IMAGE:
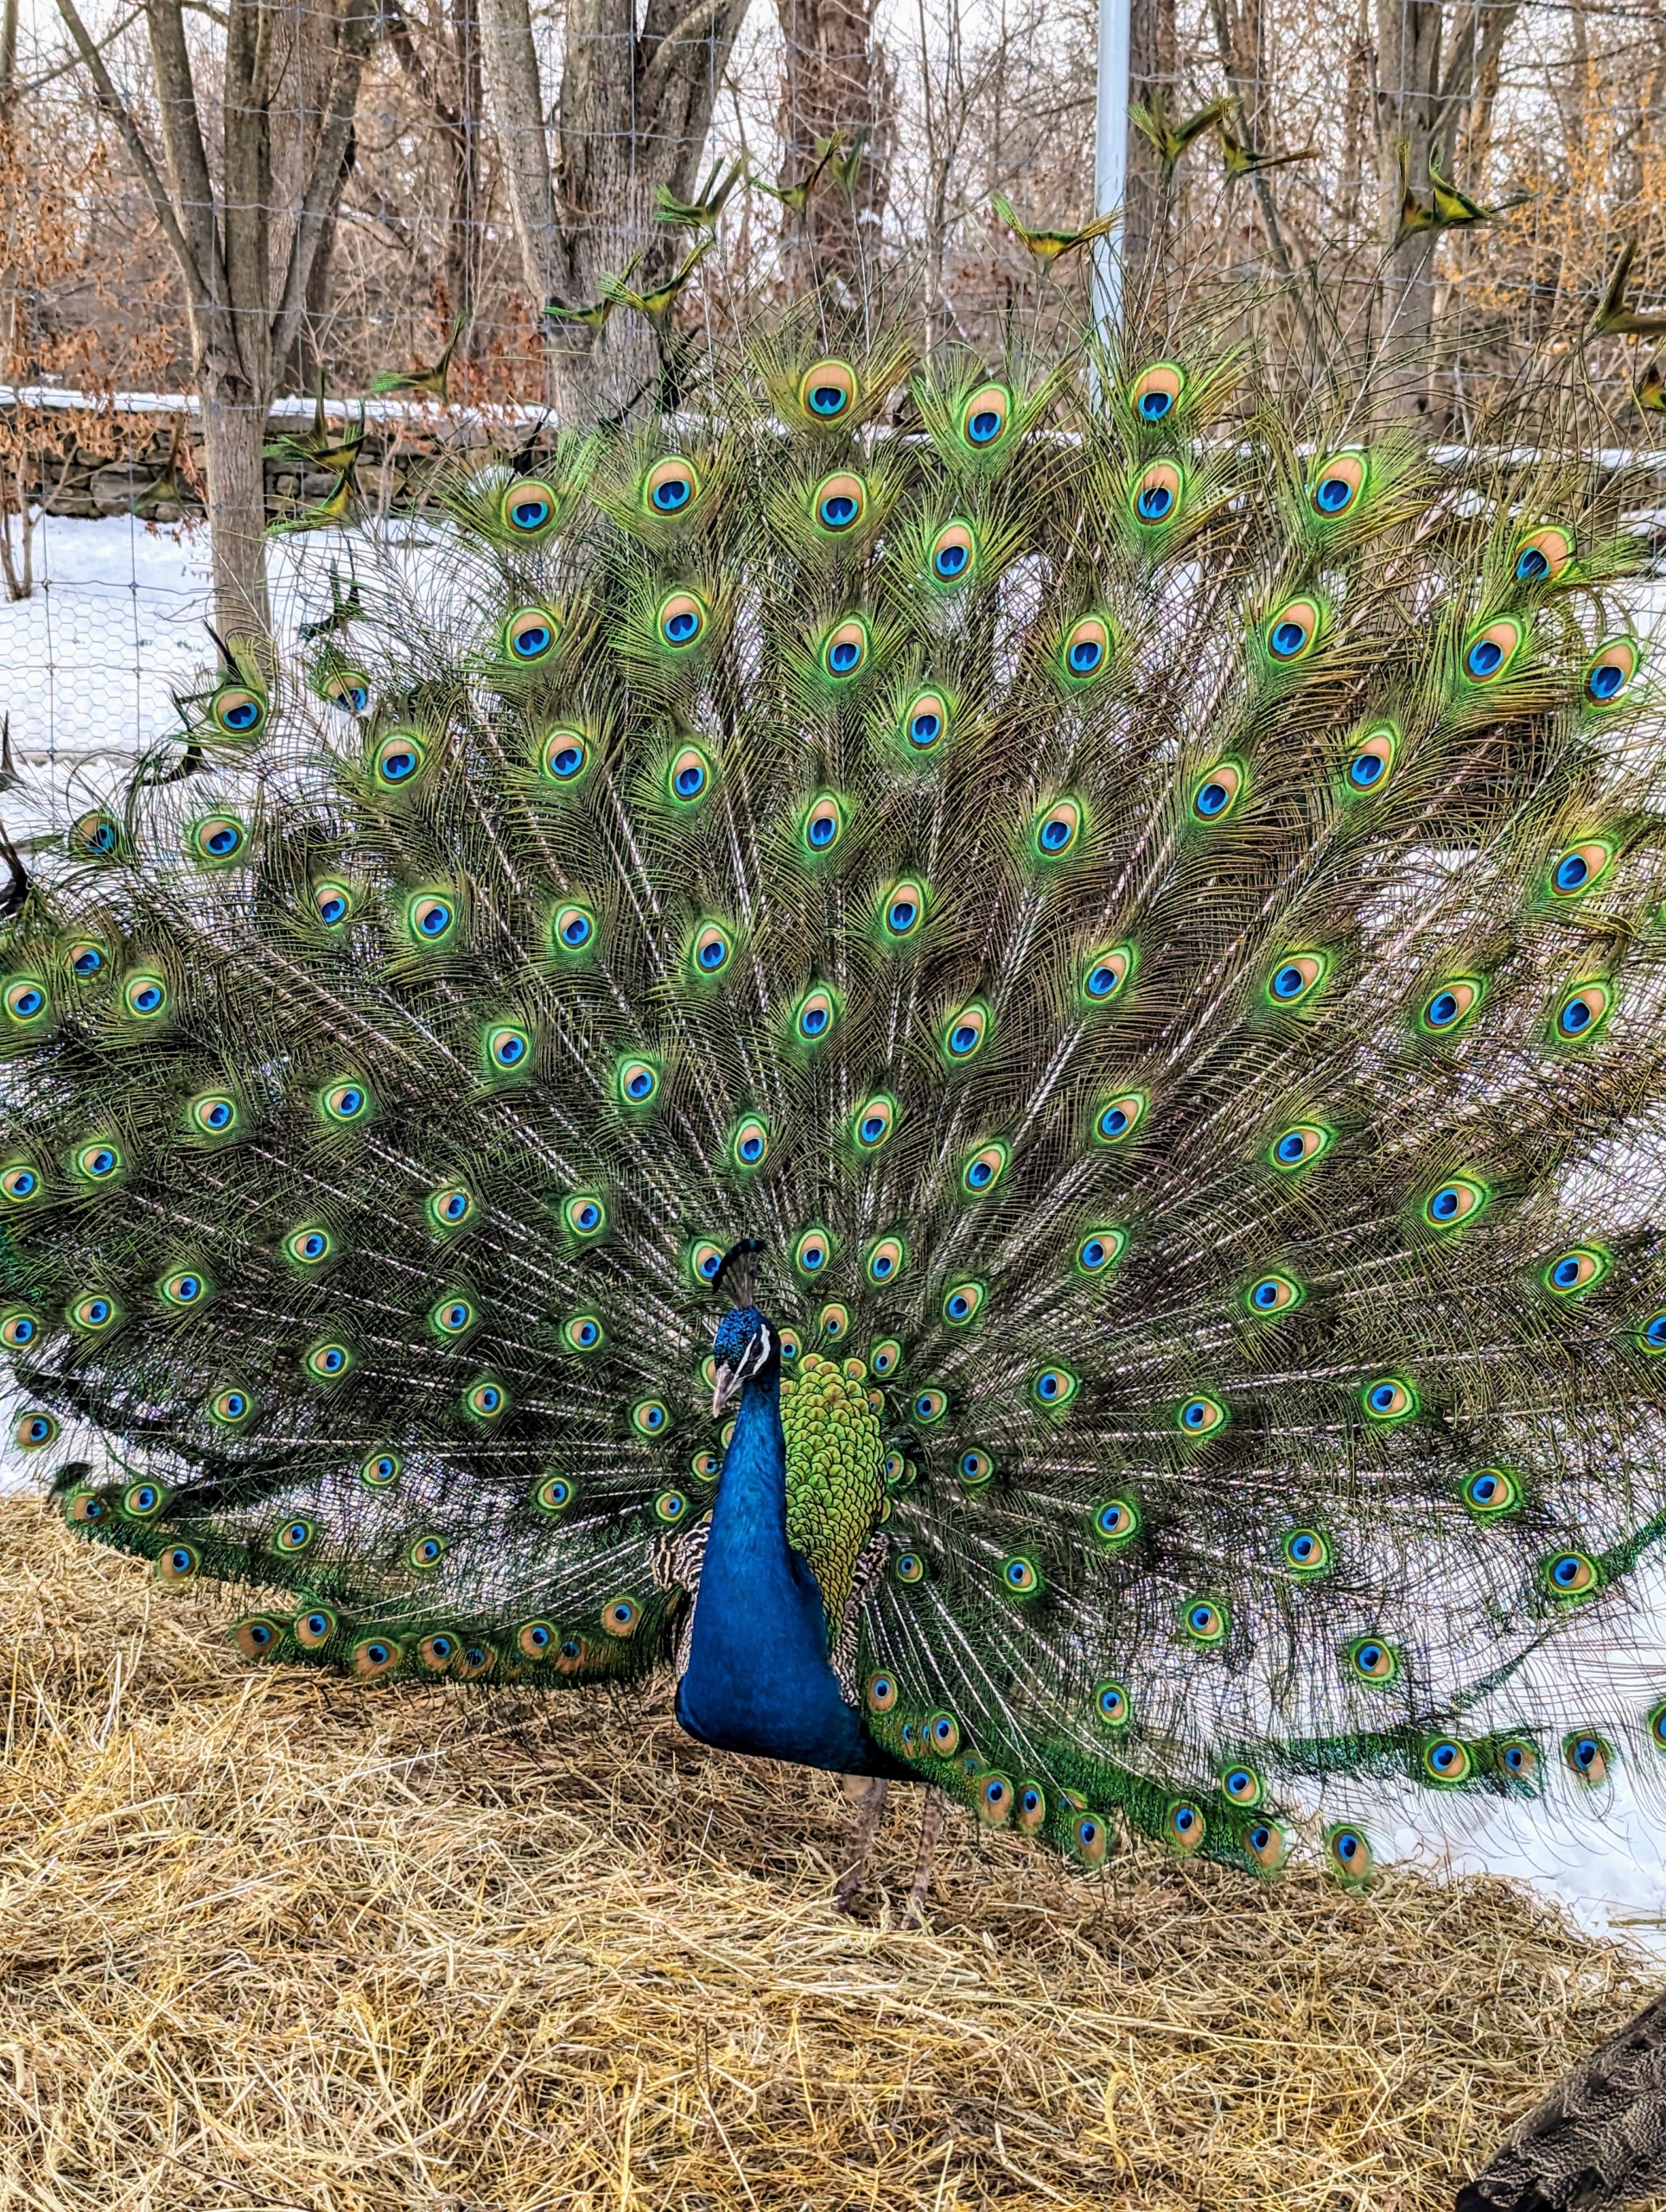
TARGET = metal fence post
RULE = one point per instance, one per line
(1110, 162)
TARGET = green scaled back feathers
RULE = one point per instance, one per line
(1149, 911)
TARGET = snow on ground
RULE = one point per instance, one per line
(87, 667)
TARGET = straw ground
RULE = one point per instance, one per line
(267, 1940)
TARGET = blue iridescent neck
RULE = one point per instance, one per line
(757, 1677)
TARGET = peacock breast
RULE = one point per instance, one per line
(835, 1470)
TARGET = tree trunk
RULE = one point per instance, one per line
(234, 431)
(1154, 69)
(462, 253)
(1408, 102)
(634, 110)
(828, 90)
(512, 68)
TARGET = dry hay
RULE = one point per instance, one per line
(270, 1940)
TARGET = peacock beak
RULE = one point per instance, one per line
(726, 1384)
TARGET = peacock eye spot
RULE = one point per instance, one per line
(680, 620)
(1532, 566)
(1288, 639)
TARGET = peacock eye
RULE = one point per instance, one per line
(1085, 652)
(1297, 977)
(1217, 790)
(528, 508)
(1349, 1853)
(689, 775)
(1576, 1271)
(1390, 1401)
(840, 502)
(529, 636)
(1371, 1659)
(829, 391)
(815, 1016)
(637, 1082)
(1105, 974)
(236, 710)
(573, 929)
(1157, 494)
(1338, 486)
(1488, 654)
(1118, 1118)
(1291, 632)
(681, 620)
(844, 651)
(95, 836)
(1306, 1552)
(873, 1123)
(750, 1143)
(431, 916)
(712, 949)
(485, 1400)
(331, 903)
(1055, 833)
(1611, 672)
(564, 756)
(508, 1047)
(985, 1168)
(1118, 1522)
(1581, 1012)
(345, 1101)
(986, 417)
(953, 553)
(823, 825)
(924, 720)
(886, 1261)
(350, 691)
(1455, 1202)
(1155, 393)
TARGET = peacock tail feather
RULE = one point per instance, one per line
(1149, 906)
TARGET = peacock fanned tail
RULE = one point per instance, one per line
(1147, 907)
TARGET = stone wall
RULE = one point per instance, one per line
(128, 470)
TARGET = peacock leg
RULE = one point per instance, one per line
(866, 1793)
(932, 1816)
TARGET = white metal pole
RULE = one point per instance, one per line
(1110, 160)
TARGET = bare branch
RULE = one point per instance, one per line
(111, 101)
(697, 28)
(354, 45)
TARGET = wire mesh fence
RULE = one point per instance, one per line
(472, 202)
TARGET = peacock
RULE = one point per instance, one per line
(968, 1052)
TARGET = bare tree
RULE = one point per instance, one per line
(245, 275)
(832, 93)
(635, 110)
(1153, 76)
(1429, 59)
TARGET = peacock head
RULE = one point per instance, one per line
(746, 1347)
